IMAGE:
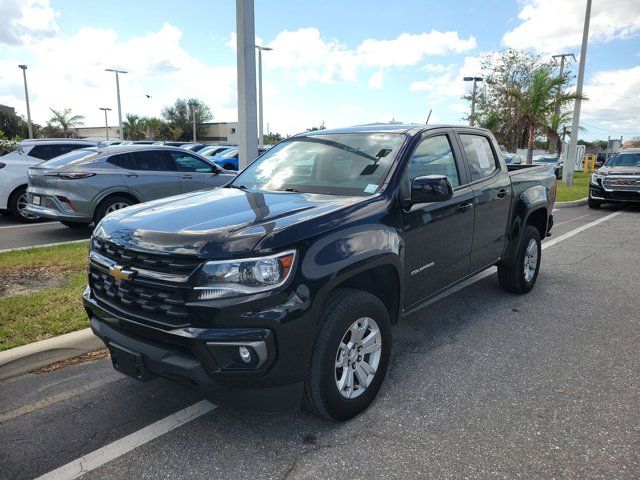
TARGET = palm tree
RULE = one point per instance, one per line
(65, 121)
(535, 105)
(133, 127)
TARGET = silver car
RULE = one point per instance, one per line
(83, 186)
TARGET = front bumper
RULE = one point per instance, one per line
(600, 194)
(203, 359)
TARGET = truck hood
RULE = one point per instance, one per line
(214, 224)
(619, 170)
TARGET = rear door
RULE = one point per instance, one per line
(492, 196)
(437, 235)
(152, 174)
(196, 174)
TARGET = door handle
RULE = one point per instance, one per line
(187, 177)
(463, 207)
(502, 193)
(132, 174)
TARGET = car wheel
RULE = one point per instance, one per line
(110, 205)
(18, 206)
(350, 356)
(591, 203)
(77, 225)
(229, 166)
(519, 275)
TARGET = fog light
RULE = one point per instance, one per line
(245, 354)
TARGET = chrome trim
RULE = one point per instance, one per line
(104, 263)
(621, 188)
(260, 347)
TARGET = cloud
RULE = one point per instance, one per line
(26, 21)
(551, 25)
(157, 64)
(614, 102)
(377, 79)
(449, 84)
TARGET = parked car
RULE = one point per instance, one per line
(83, 186)
(282, 286)
(180, 144)
(512, 158)
(194, 147)
(550, 160)
(147, 142)
(228, 159)
(618, 180)
(213, 150)
(15, 165)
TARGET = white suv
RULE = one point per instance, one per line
(15, 165)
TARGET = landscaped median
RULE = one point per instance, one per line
(41, 293)
(577, 191)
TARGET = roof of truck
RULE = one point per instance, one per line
(410, 128)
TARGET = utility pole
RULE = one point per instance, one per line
(428, 116)
(26, 96)
(562, 57)
(473, 97)
(118, 93)
(193, 115)
(575, 124)
(260, 102)
(106, 122)
(247, 105)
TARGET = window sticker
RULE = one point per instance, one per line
(482, 154)
(371, 188)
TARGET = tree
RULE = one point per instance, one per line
(273, 138)
(535, 104)
(14, 125)
(153, 128)
(179, 118)
(134, 128)
(314, 128)
(65, 121)
(7, 143)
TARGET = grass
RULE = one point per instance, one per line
(50, 303)
(579, 189)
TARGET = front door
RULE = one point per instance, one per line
(152, 174)
(437, 235)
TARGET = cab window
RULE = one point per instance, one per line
(482, 161)
(433, 156)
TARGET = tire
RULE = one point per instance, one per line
(515, 276)
(76, 225)
(591, 203)
(111, 204)
(17, 204)
(344, 313)
(229, 166)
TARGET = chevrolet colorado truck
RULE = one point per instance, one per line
(280, 288)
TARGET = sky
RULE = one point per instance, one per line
(333, 62)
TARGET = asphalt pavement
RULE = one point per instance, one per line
(14, 234)
(482, 384)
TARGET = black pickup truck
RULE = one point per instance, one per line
(618, 180)
(280, 288)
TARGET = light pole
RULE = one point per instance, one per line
(247, 115)
(192, 106)
(26, 96)
(260, 102)
(473, 97)
(118, 92)
(106, 122)
(569, 163)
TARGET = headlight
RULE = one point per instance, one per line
(245, 276)
(595, 177)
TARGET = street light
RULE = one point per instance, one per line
(26, 96)
(260, 104)
(192, 106)
(473, 96)
(106, 123)
(118, 92)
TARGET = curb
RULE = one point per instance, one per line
(575, 203)
(42, 245)
(30, 357)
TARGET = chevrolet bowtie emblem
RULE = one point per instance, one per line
(118, 273)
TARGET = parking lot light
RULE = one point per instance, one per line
(106, 122)
(26, 96)
(117, 72)
(260, 104)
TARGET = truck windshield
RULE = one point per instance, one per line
(332, 164)
(624, 160)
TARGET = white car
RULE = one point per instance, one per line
(15, 165)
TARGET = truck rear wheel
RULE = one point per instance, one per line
(519, 275)
(350, 357)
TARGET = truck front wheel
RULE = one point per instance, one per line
(350, 357)
(520, 274)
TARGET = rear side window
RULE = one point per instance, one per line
(124, 160)
(153, 161)
(434, 157)
(71, 158)
(189, 163)
(482, 162)
(47, 152)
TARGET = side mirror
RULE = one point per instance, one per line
(431, 188)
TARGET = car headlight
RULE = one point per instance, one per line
(595, 177)
(245, 276)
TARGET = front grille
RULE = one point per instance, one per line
(621, 184)
(181, 265)
(165, 306)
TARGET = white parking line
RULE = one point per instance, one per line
(28, 225)
(109, 452)
(43, 245)
(118, 448)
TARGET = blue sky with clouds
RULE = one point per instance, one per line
(334, 62)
